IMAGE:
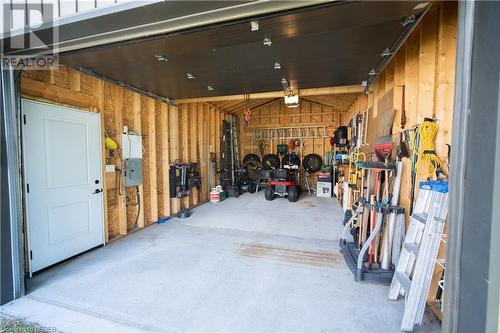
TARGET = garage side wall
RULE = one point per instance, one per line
(424, 68)
(185, 133)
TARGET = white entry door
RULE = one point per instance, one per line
(63, 177)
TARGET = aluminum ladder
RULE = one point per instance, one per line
(419, 252)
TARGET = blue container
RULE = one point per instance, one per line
(435, 186)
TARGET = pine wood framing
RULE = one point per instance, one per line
(174, 148)
(425, 66)
(274, 94)
(169, 135)
(149, 160)
(132, 118)
(193, 144)
(162, 158)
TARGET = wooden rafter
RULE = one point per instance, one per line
(355, 89)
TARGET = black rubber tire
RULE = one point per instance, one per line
(251, 188)
(251, 158)
(312, 163)
(292, 160)
(269, 193)
(299, 190)
(271, 161)
(293, 193)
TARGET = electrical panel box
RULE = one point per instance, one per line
(133, 172)
(131, 146)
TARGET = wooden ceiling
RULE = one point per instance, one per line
(340, 102)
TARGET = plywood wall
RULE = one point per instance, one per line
(425, 68)
(276, 115)
(184, 133)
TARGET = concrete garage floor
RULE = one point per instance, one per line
(243, 265)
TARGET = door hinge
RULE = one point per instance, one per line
(31, 255)
(24, 119)
(27, 188)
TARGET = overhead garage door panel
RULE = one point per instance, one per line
(324, 46)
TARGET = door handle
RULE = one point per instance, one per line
(97, 191)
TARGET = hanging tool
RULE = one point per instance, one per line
(247, 113)
(403, 111)
(403, 150)
(262, 147)
(427, 161)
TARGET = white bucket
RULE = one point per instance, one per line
(214, 195)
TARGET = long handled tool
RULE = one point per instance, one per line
(366, 210)
(383, 149)
(388, 240)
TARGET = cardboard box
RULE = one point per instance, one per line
(324, 189)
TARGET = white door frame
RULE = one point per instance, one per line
(24, 183)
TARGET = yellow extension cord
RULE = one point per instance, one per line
(427, 161)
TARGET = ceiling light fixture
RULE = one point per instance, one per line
(160, 57)
(190, 76)
(291, 101)
(364, 84)
(210, 88)
(372, 72)
(277, 65)
(267, 41)
(254, 25)
(421, 6)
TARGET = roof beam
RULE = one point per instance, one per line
(232, 104)
(354, 89)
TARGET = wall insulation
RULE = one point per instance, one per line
(184, 133)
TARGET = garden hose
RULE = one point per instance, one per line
(427, 161)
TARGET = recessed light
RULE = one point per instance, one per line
(284, 81)
(277, 65)
(254, 25)
(267, 41)
(420, 6)
(190, 76)
(210, 88)
(160, 57)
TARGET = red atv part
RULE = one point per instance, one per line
(275, 182)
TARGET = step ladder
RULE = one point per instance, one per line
(419, 252)
(235, 140)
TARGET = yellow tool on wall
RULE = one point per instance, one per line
(427, 160)
(356, 173)
(110, 143)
